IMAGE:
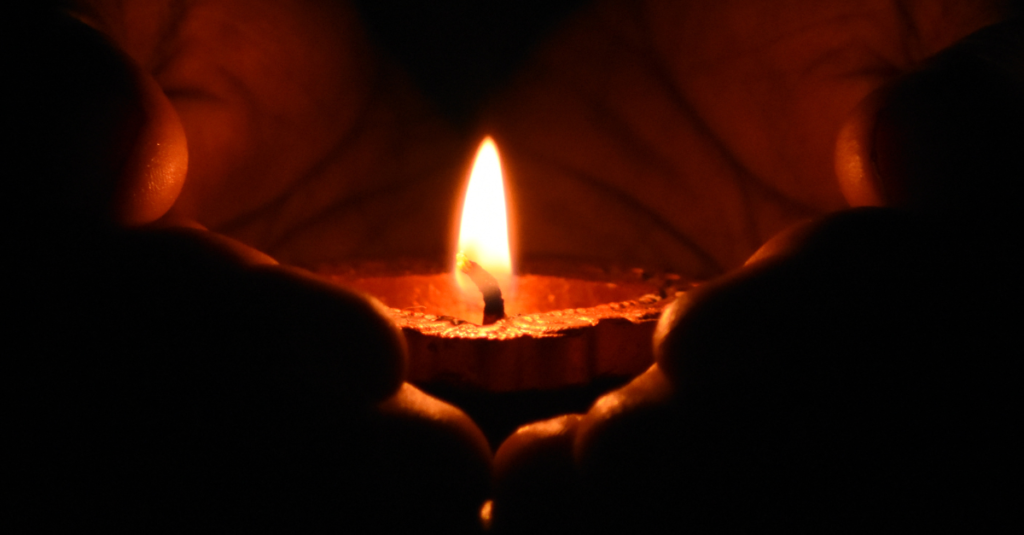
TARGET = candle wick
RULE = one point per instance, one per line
(494, 305)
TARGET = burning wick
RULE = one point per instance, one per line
(494, 305)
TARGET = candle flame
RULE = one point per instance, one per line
(483, 232)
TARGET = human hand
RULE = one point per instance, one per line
(849, 374)
(304, 142)
(749, 226)
(838, 379)
(165, 377)
(652, 133)
(684, 134)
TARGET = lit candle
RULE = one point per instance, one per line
(560, 331)
(484, 261)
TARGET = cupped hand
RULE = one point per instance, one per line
(685, 134)
(651, 133)
(304, 142)
(839, 380)
(161, 377)
(851, 374)
(666, 134)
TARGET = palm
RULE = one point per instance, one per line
(694, 131)
(656, 133)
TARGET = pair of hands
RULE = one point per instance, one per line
(650, 133)
(281, 161)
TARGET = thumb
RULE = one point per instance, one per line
(98, 143)
(947, 138)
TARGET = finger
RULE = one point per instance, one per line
(945, 138)
(688, 133)
(835, 361)
(303, 141)
(98, 142)
(536, 486)
(334, 339)
(177, 376)
(177, 307)
(295, 463)
(633, 460)
(856, 286)
(411, 463)
(213, 301)
(430, 462)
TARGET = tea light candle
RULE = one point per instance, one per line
(565, 325)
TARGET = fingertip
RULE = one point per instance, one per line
(615, 416)
(536, 443)
(435, 465)
(785, 243)
(410, 401)
(154, 173)
(535, 480)
(667, 331)
(628, 452)
(230, 306)
(722, 317)
(854, 154)
(98, 143)
(945, 139)
(339, 341)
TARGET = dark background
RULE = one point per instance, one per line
(459, 52)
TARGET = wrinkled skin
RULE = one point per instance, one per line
(666, 134)
(830, 383)
(662, 134)
(709, 127)
(303, 142)
(164, 378)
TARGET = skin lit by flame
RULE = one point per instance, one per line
(483, 232)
